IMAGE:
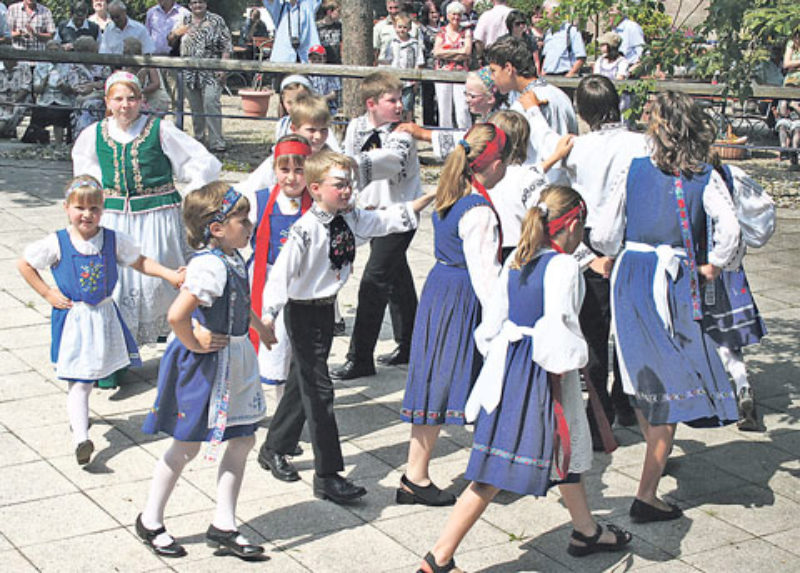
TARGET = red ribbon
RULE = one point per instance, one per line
(292, 148)
(482, 190)
(561, 439)
(261, 254)
(492, 151)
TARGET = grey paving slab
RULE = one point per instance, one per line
(15, 562)
(751, 555)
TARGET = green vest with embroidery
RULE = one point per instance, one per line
(137, 176)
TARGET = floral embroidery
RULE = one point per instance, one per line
(90, 276)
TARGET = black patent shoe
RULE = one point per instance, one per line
(351, 370)
(148, 535)
(337, 489)
(642, 512)
(226, 542)
(396, 357)
(276, 463)
(83, 453)
(428, 495)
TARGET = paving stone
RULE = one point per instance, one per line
(15, 452)
(755, 509)
(30, 481)
(788, 540)
(15, 562)
(27, 384)
(753, 555)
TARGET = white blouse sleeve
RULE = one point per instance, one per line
(286, 268)
(43, 253)
(128, 251)
(478, 229)
(192, 163)
(718, 204)
(84, 154)
(262, 178)
(386, 161)
(533, 181)
(397, 218)
(608, 231)
(558, 343)
(755, 209)
(495, 312)
(206, 277)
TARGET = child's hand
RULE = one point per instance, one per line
(602, 266)
(177, 277)
(409, 127)
(564, 146)
(57, 299)
(529, 100)
(266, 332)
(208, 341)
(709, 272)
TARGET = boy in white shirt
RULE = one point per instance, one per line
(405, 52)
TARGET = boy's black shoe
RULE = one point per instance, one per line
(351, 370)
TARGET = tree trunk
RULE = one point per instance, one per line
(356, 49)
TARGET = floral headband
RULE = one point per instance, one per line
(83, 182)
(229, 201)
(122, 77)
(485, 75)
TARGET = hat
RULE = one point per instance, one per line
(122, 77)
(611, 39)
(317, 49)
(295, 79)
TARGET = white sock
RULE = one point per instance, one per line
(734, 364)
(229, 481)
(165, 476)
(78, 410)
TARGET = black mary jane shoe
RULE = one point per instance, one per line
(278, 465)
(592, 544)
(148, 536)
(83, 453)
(428, 495)
(225, 542)
(642, 512)
(429, 565)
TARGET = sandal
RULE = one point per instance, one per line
(429, 565)
(592, 545)
(428, 495)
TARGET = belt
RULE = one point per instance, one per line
(315, 301)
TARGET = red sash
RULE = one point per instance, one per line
(482, 190)
(261, 255)
(561, 439)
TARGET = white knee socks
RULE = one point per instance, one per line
(229, 481)
(734, 364)
(78, 410)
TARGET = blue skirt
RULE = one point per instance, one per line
(678, 377)
(185, 380)
(444, 362)
(513, 446)
(733, 321)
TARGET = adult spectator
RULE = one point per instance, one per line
(632, 37)
(205, 35)
(491, 25)
(517, 24)
(121, 27)
(564, 52)
(31, 25)
(295, 29)
(161, 19)
(5, 31)
(16, 83)
(428, 28)
(100, 14)
(253, 27)
(453, 50)
(78, 25)
(383, 30)
(329, 28)
(54, 99)
(469, 19)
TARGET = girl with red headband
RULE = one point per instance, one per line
(444, 362)
(531, 430)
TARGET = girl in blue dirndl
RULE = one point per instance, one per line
(444, 362)
(669, 363)
(89, 338)
(531, 429)
(208, 384)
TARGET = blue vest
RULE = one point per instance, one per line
(448, 246)
(526, 291)
(217, 317)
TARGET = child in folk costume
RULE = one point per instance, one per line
(444, 361)
(312, 267)
(208, 384)
(730, 314)
(531, 430)
(90, 339)
(656, 216)
(274, 211)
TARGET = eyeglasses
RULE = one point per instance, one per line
(470, 95)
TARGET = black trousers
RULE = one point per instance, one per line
(308, 395)
(387, 279)
(595, 320)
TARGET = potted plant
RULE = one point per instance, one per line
(255, 100)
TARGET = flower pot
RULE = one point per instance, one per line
(255, 102)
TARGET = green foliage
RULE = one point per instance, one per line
(639, 92)
(651, 16)
(775, 21)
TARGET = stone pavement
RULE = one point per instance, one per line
(740, 491)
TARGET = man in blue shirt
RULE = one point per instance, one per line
(564, 52)
(295, 29)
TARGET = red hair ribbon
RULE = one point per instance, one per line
(492, 151)
(556, 225)
(292, 148)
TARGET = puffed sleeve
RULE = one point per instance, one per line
(397, 218)
(608, 230)
(84, 154)
(206, 277)
(192, 163)
(558, 343)
(755, 209)
(718, 204)
(478, 229)
(128, 251)
(43, 253)
(286, 268)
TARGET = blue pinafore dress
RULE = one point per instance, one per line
(513, 446)
(187, 380)
(90, 340)
(672, 372)
(730, 314)
(444, 361)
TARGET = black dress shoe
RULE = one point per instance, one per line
(396, 357)
(227, 542)
(642, 512)
(276, 463)
(351, 370)
(148, 535)
(337, 489)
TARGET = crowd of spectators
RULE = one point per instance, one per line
(427, 34)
